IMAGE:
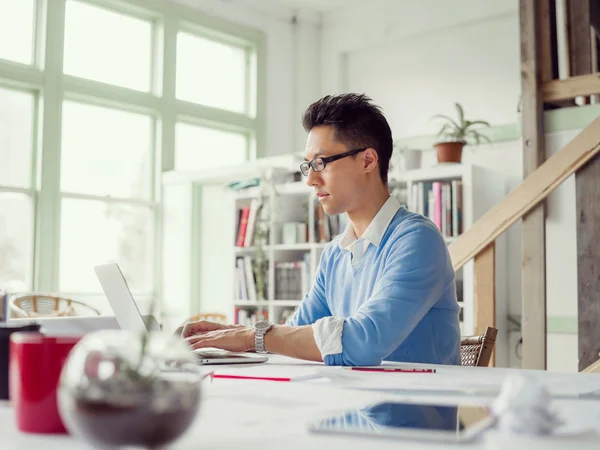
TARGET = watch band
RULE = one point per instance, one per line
(260, 329)
(259, 342)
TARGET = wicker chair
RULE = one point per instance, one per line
(211, 317)
(477, 350)
(48, 305)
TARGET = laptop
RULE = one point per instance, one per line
(129, 318)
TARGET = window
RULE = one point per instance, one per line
(105, 152)
(16, 240)
(212, 73)
(17, 30)
(17, 118)
(85, 180)
(16, 137)
(93, 232)
(106, 46)
(199, 147)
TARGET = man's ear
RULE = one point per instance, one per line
(371, 159)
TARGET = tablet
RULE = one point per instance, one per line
(397, 420)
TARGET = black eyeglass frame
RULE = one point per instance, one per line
(306, 165)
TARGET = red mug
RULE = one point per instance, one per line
(36, 362)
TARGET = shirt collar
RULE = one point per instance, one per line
(376, 229)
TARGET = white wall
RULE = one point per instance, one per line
(474, 64)
(293, 63)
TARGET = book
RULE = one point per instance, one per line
(252, 216)
(437, 204)
(243, 226)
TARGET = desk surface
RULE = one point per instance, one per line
(252, 414)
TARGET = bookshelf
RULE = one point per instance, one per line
(292, 250)
(480, 190)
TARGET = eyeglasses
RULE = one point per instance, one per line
(320, 163)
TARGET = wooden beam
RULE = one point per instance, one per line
(582, 85)
(595, 65)
(595, 15)
(578, 28)
(587, 186)
(535, 188)
(547, 39)
(485, 291)
(534, 69)
(565, 43)
(593, 368)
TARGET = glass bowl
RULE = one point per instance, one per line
(119, 388)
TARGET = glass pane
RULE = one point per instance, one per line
(105, 151)
(17, 19)
(105, 46)
(198, 147)
(211, 73)
(94, 232)
(16, 137)
(16, 241)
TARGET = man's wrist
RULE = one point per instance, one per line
(251, 339)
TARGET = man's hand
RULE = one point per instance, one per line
(233, 338)
(199, 327)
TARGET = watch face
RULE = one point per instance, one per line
(262, 325)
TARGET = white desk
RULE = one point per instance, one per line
(244, 414)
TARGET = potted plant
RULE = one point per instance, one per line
(455, 134)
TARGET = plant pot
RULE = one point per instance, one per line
(449, 152)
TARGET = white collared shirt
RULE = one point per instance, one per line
(373, 234)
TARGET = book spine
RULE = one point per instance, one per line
(455, 208)
(254, 206)
(437, 206)
(243, 226)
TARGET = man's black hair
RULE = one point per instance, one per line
(358, 123)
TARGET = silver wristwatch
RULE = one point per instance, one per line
(260, 329)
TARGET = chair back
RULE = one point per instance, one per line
(477, 350)
(211, 317)
(49, 305)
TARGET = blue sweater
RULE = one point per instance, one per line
(398, 303)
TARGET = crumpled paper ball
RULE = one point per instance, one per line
(523, 407)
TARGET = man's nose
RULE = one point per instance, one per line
(313, 178)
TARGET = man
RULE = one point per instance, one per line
(384, 289)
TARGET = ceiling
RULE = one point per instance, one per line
(316, 5)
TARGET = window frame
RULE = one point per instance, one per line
(30, 191)
(45, 78)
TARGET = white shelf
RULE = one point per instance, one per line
(306, 246)
(438, 172)
(265, 304)
(283, 247)
(249, 304)
(297, 188)
(286, 302)
(244, 250)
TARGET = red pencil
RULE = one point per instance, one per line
(244, 377)
(391, 369)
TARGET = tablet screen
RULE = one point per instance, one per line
(395, 419)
